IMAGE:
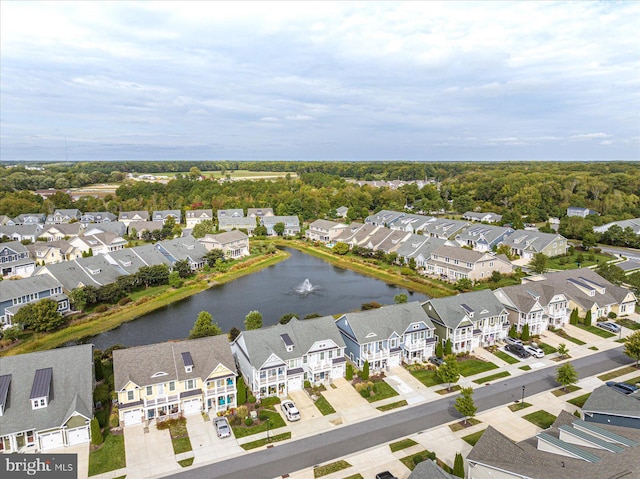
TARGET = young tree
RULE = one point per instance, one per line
(563, 351)
(573, 319)
(448, 347)
(97, 368)
(182, 267)
(513, 331)
(525, 336)
(566, 375)
(449, 372)
(96, 434)
(463, 284)
(204, 326)
(365, 371)
(464, 403)
(632, 346)
(539, 263)
(587, 318)
(439, 349)
(458, 466)
(349, 372)
(287, 317)
(400, 298)
(253, 320)
(213, 256)
(341, 248)
(242, 391)
(174, 280)
(279, 228)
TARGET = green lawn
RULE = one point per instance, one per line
(186, 462)
(518, 406)
(526, 367)
(619, 372)
(563, 334)
(454, 388)
(410, 461)
(381, 391)
(275, 421)
(554, 263)
(547, 348)
(324, 406)
(427, 377)
(460, 425)
(263, 442)
(580, 400)
(109, 457)
(393, 405)
(404, 444)
(471, 439)
(355, 476)
(542, 419)
(627, 323)
(596, 330)
(475, 366)
(561, 392)
(179, 436)
(505, 357)
(486, 379)
(330, 468)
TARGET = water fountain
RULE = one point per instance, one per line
(305, 287)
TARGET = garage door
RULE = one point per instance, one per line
(132, 417)
(51, 440)
(192, 407)
(294, 383)
(78, 435)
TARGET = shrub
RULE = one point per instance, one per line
(361, 387)
(242, 391)
(587, 319)
(235, 420)
(612, 315)
(349, 372)
(101, 308)
(365, 370)
(96, 434)
(101, 394)
(417, 459)
(251, 399)
(125, 300)
(525, 332)
(248, 421)
(307, 385)
(242, 412)
(365, 393)
(432, 456)
(114, 420)
(263, 415)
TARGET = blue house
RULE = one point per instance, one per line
(15, 294)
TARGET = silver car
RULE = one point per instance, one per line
(222, 427)
(534, 350)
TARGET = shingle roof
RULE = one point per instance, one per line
(608, 401)
(325, 224)
(10, 289)
(183, 248)
(534, 241)
(451, 310)
(429, 470)
(226, 237)
(91, 271)
(127, 215)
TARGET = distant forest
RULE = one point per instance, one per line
(529, 191)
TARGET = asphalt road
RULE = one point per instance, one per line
(293, 456)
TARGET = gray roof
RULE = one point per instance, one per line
(381, 323)
(150, 255)
(531, 240)
(115, 227)
(383, 217)
(91, 271)
(634, 224)
(452, 310)
(127, 259)
(41, 383)
(287, 220)
(237, 222)
(71, 388)
(487, 216)
(261, 343)
(430, 470)
(411, 221)
(10, 289)
(253, 212)
(207, 214)
(349, 232)
(325, 224)
(16, 246)
(127, 215)
(164, 214)
(444, 227)
(456, 252)
(488, 232)
(140, 363)
(525, 459)
(98, 216)
(183, 248)
(393, 241)
(226, 237)
(231, 213)
(39, 217)
(21, 230)
(606, 400)
(68, 229)
(409, 246)
(145, 225)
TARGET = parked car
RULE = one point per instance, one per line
(624, 388)
(510, 340)
(436, 360)
(534, 350)
(222, 427)
(290, 410)
(385, 475)
(611, 327)
(518, 350)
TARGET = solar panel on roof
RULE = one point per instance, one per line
(187, 359)
(5, 382)
(286, 340)
(589, 281)
(41, 383)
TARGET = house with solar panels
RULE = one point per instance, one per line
(278, 359)
(165, 380)
(46, 399)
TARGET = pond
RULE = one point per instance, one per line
(302, 284)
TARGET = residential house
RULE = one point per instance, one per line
(93, 271)
(443, 228)
(429, 470)
(586, 290)
(407, 249)
(422, 254)
(230, 213)
(181, 249)
(278, 359)
(526, 243)
(356, 234)
(570, 448)
(15, 260)
(487, 217)
(97, 217)
(132, 259)
(46, 399)
(21, 232)
(342, 211)
(28, 219)
(4, 219)
(127, 217)
(230, 223)
(452, 263)
(161, 381)
(234, 244)
(16, 293)
(324, 231)
(387, 336)
(469, 320)
(483, 238)
(64, 216)
(291, 224)
(579, 211)
(384, 218)
(163, 215)
(114, 227)
(51, 252)
(60, 231)
(195, 217)
(99, 243)
(634, 224)
(259, 212)
(139, 227)
(387, 241)
(411, 223)
(605, 405)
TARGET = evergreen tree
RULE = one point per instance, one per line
(96, 434)
(464, 403)
(449, 372)
(573, 319)
(448, 347)
(242, 391)
(632, 346)
(458, 466)
(439, 349)
(525, 333)
(513, 331)
(204, 326)
(349, 372)
(97, 366)
(234, 333)
(587, 318)
(365, 371)
(253, 320)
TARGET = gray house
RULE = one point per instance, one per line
(15, 260)
(91, 271)
(163, 215)
(28, 219)
(482, 238)
(608, 406)
(97, 217)
(15, 294)
(127, 217)
(21, 232)
(526, 243)
(291, 224)
(64, 216)
(179, 249)
(46, 399)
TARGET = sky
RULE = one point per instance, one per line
(308, 80)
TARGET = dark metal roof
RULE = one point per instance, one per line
(286, 339)
(41, 383)
(5, 381)
(187, 359)
(129, 405)
(295, 371)
(193, 392)
(466, 308)
(339, 360)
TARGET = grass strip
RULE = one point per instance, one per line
(596, 330)
(414, 459)
(507, 358)
(618, 372)
(475, 366)
(355, 476)
(330, 468)
(548, 349)
(471, 439)
(460, 425)
(561, 392)
(580, 400)
(447, 391)
(518, 406)
(324, 406)
(541, 418)
(400, 445)
(186, 462)
(393, 405)
(627, 323)
(109, 457)
(263, 442)
(493, 377)
(563, 334)
(526, 367)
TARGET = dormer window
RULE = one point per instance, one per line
(159, 374)
(41, 388)
(94, 271)
(188, 362)
(288, 343)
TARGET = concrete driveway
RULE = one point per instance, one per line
(347, 402)
(148, 453)
(207, 446)
(305, 405)
(80, 450)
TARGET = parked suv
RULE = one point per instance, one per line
(510, 340)
(517, 349)
(612, 327)
(624, 388)
(436, 360)
(290, 410)
(534, 350)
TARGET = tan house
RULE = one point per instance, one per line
(61, 231)
(453, 263)
(195, 217)
(165, 380)
(127, 217)
(53, 252)
(234, 244)
(324, 230)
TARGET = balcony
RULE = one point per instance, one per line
(415, 345)
(320, 365)
(161, 400)
(375, 355)
(221, 390)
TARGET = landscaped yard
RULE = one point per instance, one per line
(109, 457)
(324, 406)
(427, 377)
(179, 435)
(493, 377)
(405, 443)
(518, 406)
(580, 400)
(627, 323)
(505, 357)
(563, 334)
(571, 261)
(561, 392)
(414, 459)
(475, 366)
(547, 348)
(381, 390)
(596, 330)
(460, 425)
(542, 419)
(275, 421)
(473, 438)
(330, 468)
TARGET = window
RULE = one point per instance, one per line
(190, 384)
(149, 390)
(172, 386)
(129, 395)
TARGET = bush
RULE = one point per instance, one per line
(361, 387)
(307, 385)
(417, 459)
(242, 391)
(101, 308)
(349, 372)
(365, 393)
(96, 434)
(123, 301)
(101, 394)
(114, 420)
(612, 315)
(365, 371)
(263, 415)
(251, 399)
(248, 421)
(242, 412)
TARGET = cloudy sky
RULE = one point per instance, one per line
(319, 81)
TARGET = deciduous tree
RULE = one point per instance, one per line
(449, 372)
(632, 346)
(204, 326)
(566, 375)
(464, 403)
(253, 320)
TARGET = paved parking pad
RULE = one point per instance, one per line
(305, 405)
(409, 395)
(207, 446)
(148, 454)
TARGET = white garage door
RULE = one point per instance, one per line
(294, 383)
(192, 407)
(51, 440)
(78, 435)
(132, 417)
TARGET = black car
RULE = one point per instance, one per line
(518, 350)
(385, 475)
(623, 388)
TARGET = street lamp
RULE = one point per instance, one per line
(268, 429)
(522, 403)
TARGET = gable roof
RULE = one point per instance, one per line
(115, 227)
(253, 212)
(71, 388)
(429, 470)
(91, 271)
(129, 215)
(190, 214)
(182, 248)
(488, 232)
(231, 213)
(140, 363)
(224, 238)
(326, 225)
(10, 289)
(452, 310)
(608, 401)
(533, 241)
